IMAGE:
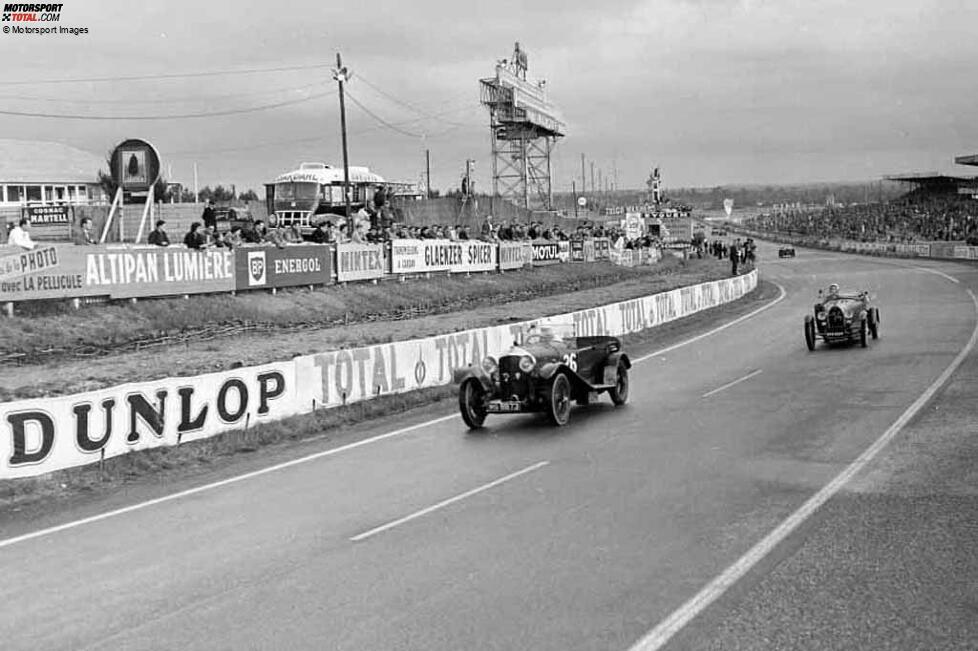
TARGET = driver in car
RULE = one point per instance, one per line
(833, 292)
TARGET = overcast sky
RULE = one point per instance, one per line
(713, 92)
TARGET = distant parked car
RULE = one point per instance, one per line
(842, 317)
(544, 372)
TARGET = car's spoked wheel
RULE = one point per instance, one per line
(874, 323)
(810, 334)
(472, 403)
(560, 400)
(862, 334)
(619, 394)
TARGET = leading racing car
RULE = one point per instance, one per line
(545, 370)
(842, 317)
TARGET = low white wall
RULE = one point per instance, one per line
(38, 436)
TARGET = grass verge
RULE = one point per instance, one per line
(195, 460)
(49, 331)
(554, 290)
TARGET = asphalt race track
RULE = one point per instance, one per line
(591, 536)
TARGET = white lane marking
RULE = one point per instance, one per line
(781, 294)
(217, 484)
(667, 628)
(939, 273)
(730, 384)
(318, 455)
(444, 503)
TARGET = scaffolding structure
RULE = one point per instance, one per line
(524, 127)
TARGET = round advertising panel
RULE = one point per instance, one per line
(135, 165)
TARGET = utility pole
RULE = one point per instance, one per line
(574, 197)
(583, 178)
(592, 177)
(342, 75)
(427, 167)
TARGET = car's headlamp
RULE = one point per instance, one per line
(489, 365)
(527, 363)
(821, 316)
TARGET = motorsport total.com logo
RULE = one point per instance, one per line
(31, 13)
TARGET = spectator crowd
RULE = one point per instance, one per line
(369, 227)
(917, 216)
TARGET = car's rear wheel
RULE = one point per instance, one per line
(472, 403)
(559, 404)
(810, 334)
(862, 333)
(619, 393)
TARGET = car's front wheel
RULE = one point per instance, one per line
(559, 407)
(619, 393)
(862, 334)
(874, 323)
(810, 333)
(472, 403)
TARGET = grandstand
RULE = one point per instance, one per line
(937, 207)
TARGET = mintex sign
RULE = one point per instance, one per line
(300, 264)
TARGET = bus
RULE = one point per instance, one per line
(314, 193)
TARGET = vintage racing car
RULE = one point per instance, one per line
(786, 252)
(842, 316)
(545, 370)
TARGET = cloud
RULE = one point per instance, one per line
(712, 91)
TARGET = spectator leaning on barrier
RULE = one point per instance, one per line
(359, 235)
(487, 230)
(158, 236)
(320, 234)
(278, 236)
(20, 235)
(255, 234)
(83, 234)
(233, 238)
(210, 236)
(194, 239)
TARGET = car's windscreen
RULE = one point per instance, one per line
(844, 303)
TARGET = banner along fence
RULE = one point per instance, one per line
(935, 250)
(66, 271)
(42, 435)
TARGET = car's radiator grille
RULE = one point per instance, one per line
(835, 319)
(512, 381)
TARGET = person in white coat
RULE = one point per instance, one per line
(20, 235)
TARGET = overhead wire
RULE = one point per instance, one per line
(175, 116)
(379, 119)
(178, 75)
(394, 99)
(311, 139)
(202, 98)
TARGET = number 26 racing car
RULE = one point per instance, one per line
(842, 317)
(786, 252)
(545, 370)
